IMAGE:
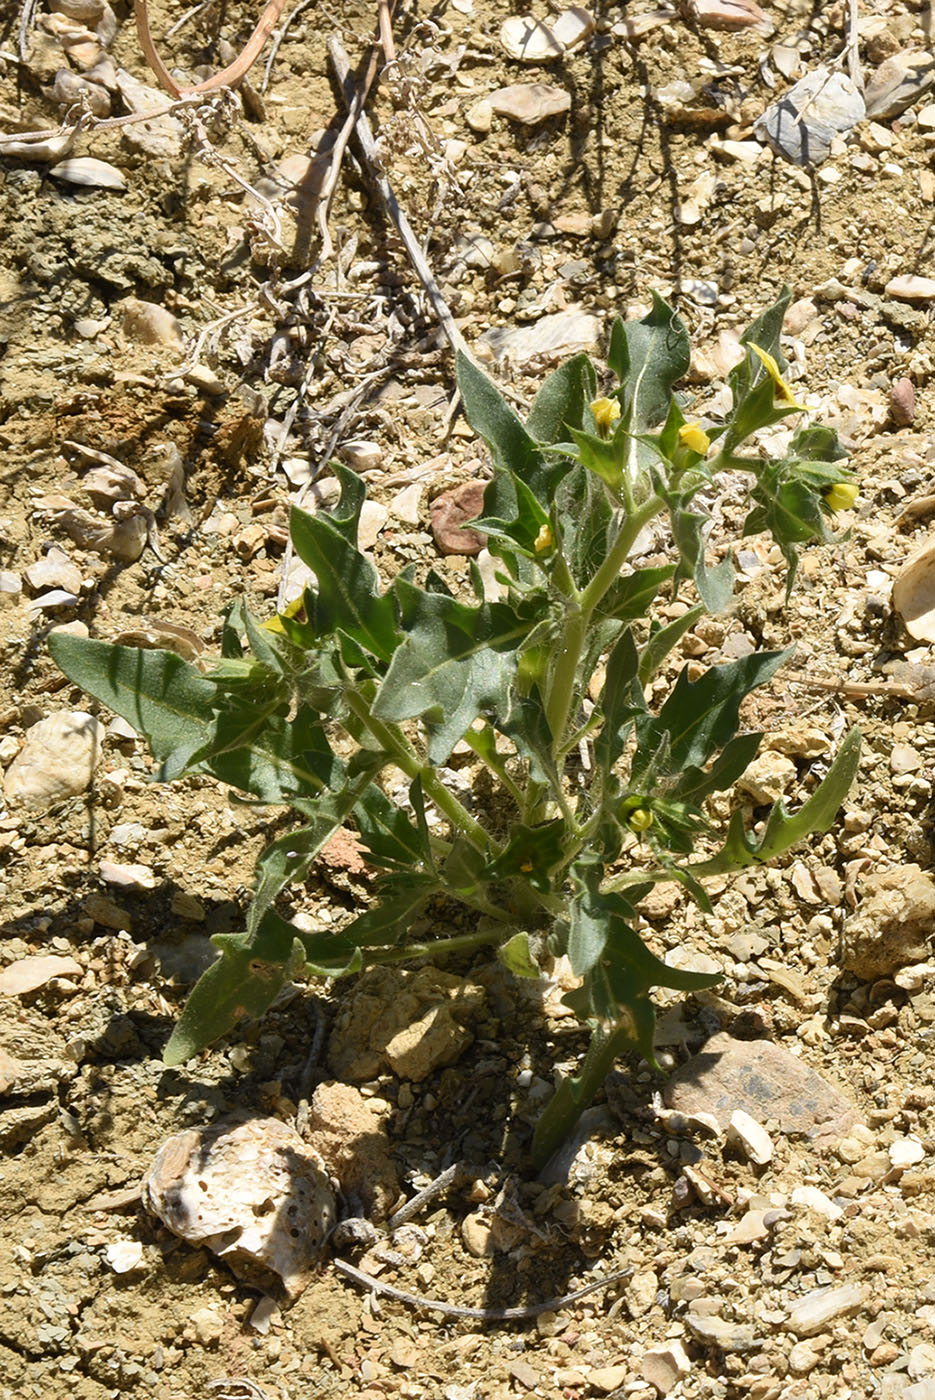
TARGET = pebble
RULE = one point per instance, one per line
(147, 323)
(56, 762)
(914, 593)
(821, 1306)
(767, 777)
(530, 40)
(29, 974)
(86, 170)
(54, 570)
(898, 82)
(802, 124)
(751, 1137)
(641, 1294)
(373, 516)
(479, 117)
(728, 14)
(665, 1366)
(891, 926)
(406, 504)
(911, 288)
(904, 759)
(606, 1379)
(361, 456)
(448, 513)
(903, 402)
(349, 1131)
(729, 1336)
(124, 1256)
(11, 585)
(764, 1080)
(530, 103)
(816, 1200)
(552, 337)
(206, 1327)
(128, 877)
(476, 1235)
(906, 1152)
(802, 1359)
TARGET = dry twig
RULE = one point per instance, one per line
(229, 76)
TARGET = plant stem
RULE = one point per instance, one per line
(573, 1095)
(395, 744)
(618, 554)
(458, 943)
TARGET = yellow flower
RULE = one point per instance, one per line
(606, 412)
(840, 496)
(781, 391)
(274, 624)
(545, 540)
(694, 437)
(640, 819)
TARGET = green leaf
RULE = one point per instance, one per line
(716, 586)
(388, 834)
(455, 662)
(663, 639)
(622, 702)
(632, 595)
(701, 716)
(514, 451)
(531, 853)
(517, 957)
(606, 457)
(648, 356)
(695, 784)
(347, 597)
(244, 981)
(561, 401)
(386, 923)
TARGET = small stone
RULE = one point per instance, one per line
(107, 912)
(448, 513)
(476, 1235)
(892, 924)
(128, 877)
(910, 288)
(727, 14)
(767, 777)
(751, 1137)
(54, 570)
(552, 337)
(906, 1152)
(124, 1256)
(479, 117)
(530, 103)
(373, 516)
(530, 40)
(361, 456)
(350, 1133)
(206, 1327)
(641, 1294)
(56, 762)
(729, 1336)
(904, 759)
(816, 1200)
(802, 124)
(903, 402)
(86, 170)
(605, 1379)
(11, 585)
(898, 82)
(29, 974)
(665, 1366)
(150, 324)
(802, 1359)
(821, 1306)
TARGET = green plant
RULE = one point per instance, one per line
(310, 709)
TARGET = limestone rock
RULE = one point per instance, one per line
(765, 1081)
(665, 1366)
(57, 760)
(892, 924)
(822, 1306)
(530, 103)
(530, 40)
(409, 1022)
(29, 974)
(802, 124)
(253, 1192)
(148, 323)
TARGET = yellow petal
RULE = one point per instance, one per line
(640, 819)
(544, 540)
(840, 496)
(781, 390)
(694, 437)
(606, 412)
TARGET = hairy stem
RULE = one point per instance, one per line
(573, 1095)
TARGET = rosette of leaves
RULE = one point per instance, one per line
(311, 709)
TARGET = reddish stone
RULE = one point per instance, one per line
(450, 510)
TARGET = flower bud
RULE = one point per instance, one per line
(840, 496)
(606, 412)
(694, 437)
(545, 540)
(640, 819)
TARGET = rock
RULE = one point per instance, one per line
(665, 1366)
(607, 1378)
(903, 402)
(107, 912)
(530, 40)
(898, 82)
(552, 337)
(765, 1081)
(124, 1256)
(727, 14)
(350, 1134)
(821, 1306)
(814, 1199)
(906, 1152)
(128, 877)
(29, 974)
(253, 1192)
(641, 1293)
(751, 1137)
(448, 513)
(767, 777)
(914, 593)
(162, 137)
(373, 516)
(148, 323)
(905, 759)
(476, 1235)
(802, 1359)
(11, 586)
(749, 1228)
(910, 288)
(56, 762)
(361, 456)
(206, 1327)
(409, 1022)
(729, 1336)
(479, 117)
(54, 570)
(802, 124)
(892, 924)
(530, 103)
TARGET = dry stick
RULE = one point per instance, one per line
(228, 76)
(25, 24)
(415, 1300)
(368, 148)
(385, 19)
(330, 184)
(278, 40)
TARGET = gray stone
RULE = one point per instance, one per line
(765, 1081)
(803, 123)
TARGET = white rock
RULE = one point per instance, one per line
(906, 1152)
(124, 1256)
(767, 777)
(373, 516)
(405, 505)
(57, 760)
(816, 1200)
(803, 122)
(29, 974)
(150, 324)
(550, 338)
(530, 40)
(665, 1366)
(55, 598)
(914, 592)
(86, 170)
(128, 877)
(161, 137)
(750, 1136)
(479, 116)
(821, 1306)
(909, 288)
(54, 570)
(914, 978)
(361, 456)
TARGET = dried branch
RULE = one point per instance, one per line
(228, 76)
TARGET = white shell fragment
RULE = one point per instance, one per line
(821, 1306)
(802, 124)
(914, 594)
(906, 1152)
(550, 338)
(124, 1256)
(530, 40)
(254, 1192)
(57, 760)
(86, 170)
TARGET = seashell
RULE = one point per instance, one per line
(87, 170)
(914, 593)
(533, 41)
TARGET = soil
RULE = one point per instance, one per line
(277, 371)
